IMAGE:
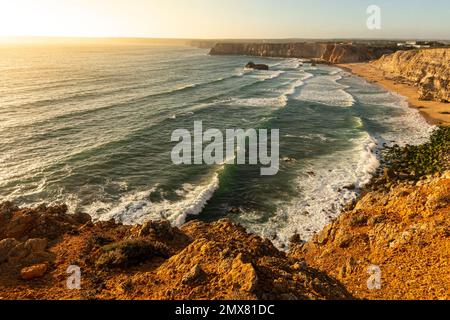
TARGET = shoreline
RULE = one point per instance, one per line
(434, 112)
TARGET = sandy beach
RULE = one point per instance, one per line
(437, 113)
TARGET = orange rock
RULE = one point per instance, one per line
(34, 272)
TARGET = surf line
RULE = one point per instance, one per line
(190, 148)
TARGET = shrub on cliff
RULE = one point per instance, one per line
(414, 162)
(130, 252)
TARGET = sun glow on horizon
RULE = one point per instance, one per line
(67, 18)
(219, 19)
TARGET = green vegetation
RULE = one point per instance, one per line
(130, 252)
(414, 162)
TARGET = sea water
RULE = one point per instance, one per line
(90, 126)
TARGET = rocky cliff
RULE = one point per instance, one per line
(327, 52)
(428, 69)
(398, 231)
(152, 261)
(403, 232)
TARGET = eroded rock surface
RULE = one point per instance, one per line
(154, 261)
(405, 231)
(326, 52)
(428, 69)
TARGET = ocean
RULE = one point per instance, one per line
(90, 126)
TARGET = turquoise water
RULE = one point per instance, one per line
(90, 126)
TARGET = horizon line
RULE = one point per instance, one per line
(213, 39)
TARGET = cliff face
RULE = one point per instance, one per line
(327, 52)
(403, 232)
(428, 69)
(399, 230)
(153, 261)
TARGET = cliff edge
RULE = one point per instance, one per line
(39, 247)
(427, 69)
(326, 52)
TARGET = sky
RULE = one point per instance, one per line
(213, 19)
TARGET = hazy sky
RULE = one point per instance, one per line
(224, 18)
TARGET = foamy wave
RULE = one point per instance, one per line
(411, 126)
(321, 137)
(137, 208)
(324, 192)
(293, 88)
(407, 127)
(292, 64)
(329, 183)
(260, 102)
(338, 98)
(326, 90)
(267, 75)
(188, 86)
(280, 101)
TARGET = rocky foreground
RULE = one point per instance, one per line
(153, 261)
(401, 225)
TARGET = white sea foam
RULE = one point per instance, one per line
(312, 136)
(322, 185)
(289, 64)
(266, 75)
(326, 90)
(259, 102)
(279, 101)
(137, 208)
(409, 127)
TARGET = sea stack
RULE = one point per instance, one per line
(252, 65)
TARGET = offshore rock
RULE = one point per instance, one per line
(252, 65)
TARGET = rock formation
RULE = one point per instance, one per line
(428, 69)
(403, 231)
(326, 52)
(252, 65)
(154, 261)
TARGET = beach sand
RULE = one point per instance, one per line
(437, 113)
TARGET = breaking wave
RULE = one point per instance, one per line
(137, 208)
